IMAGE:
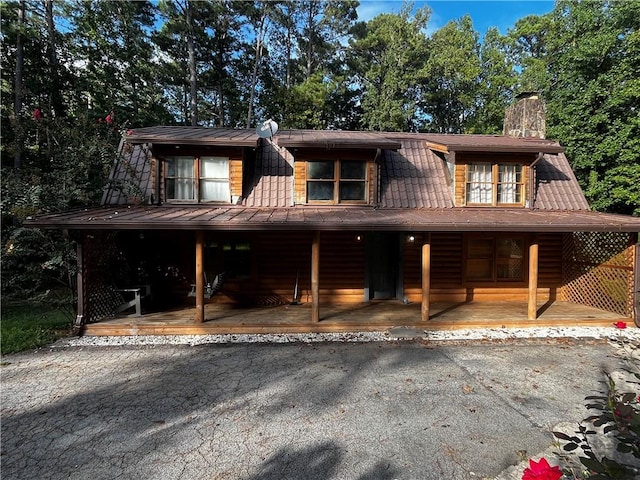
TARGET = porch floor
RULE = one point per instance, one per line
(371, 316)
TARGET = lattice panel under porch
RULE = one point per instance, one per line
(100, 250)
(597, 270)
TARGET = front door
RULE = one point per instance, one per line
(382, 263)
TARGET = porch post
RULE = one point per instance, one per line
(315, 278)
(199, 276)
(636, 279)
(426, 277)
(532, 310)
(81, 315)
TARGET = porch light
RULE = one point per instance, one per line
(411, 238)
(358, 238)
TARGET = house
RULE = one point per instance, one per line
(421, 227)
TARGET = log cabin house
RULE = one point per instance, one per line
(345, 231)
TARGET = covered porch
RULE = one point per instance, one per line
(225, 318)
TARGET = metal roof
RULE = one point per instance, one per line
(332, 139)
(184, 135)
(269, 184)
(490, 143)
(130, 177)
(414, 177)
(556, 185)
(336, 218)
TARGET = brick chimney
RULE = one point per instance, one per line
(526, 117)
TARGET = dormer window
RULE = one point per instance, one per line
(336, 181)
(494, 184)
(197, 179)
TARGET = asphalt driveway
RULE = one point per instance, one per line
(389, 410)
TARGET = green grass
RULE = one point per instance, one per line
(27, 327)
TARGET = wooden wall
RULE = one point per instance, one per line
(447, 276)
(277, 258)
(280, 257)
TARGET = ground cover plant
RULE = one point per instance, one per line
(29, 326)
(606, 444)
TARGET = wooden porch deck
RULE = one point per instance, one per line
(371, 316)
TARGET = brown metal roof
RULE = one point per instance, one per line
(184, 135)
(336, 218)
(556, 185)
(331, 139)
(270, 182)
(130, 177)
(490, 143)
(414, 177)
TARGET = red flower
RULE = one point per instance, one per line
(129, 132)
(541, 471)
(37, 114)
(109, 118)
(620, 325)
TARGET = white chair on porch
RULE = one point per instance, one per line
(210, 288)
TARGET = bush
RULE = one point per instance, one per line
(617, 420)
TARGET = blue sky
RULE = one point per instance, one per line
(502, 14)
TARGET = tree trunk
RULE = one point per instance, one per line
(310, 42)
(17, 102)
(256, 63)
(55, 99)
(220, 121)
(193, 73)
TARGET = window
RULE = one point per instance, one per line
(211, 173)
(232, 256)
(495, 259)
(339, 181)
(179, 179)
(494, 184)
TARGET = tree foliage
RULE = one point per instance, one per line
(585, 58)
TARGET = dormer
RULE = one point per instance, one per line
(197, 165)
(491, 170)
(335, 167)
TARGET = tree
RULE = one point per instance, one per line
(529, 49)
(498, 82)
(114, 59)
(594, 98)
(453, 72)
(386, 58)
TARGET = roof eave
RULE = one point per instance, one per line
(182, 141)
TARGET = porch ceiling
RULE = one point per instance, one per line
(171, 217)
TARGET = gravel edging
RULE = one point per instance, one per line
(396, 334)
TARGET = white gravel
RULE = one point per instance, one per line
(399, 333)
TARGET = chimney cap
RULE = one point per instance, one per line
(532, 95)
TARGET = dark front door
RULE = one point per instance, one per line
(382, 260)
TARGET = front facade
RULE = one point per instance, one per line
(333, 218)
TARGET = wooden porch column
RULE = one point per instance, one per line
(199, 276)
(532, 310)
(315, 278)
(636, 279)
(426, 277)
